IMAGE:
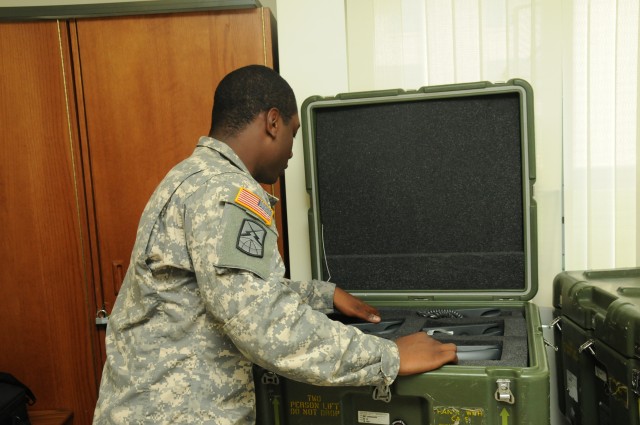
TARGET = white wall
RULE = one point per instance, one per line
(313, 59)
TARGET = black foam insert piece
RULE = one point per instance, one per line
(513, 342)
(424, 194)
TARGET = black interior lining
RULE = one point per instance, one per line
(437, 181)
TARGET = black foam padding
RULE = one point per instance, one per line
(422, 194)
(513, 342)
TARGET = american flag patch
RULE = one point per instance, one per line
(254, 204)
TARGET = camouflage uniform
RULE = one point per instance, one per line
(204, 298)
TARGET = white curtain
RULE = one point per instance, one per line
(601, 132)
(409, 43)
(581, 57)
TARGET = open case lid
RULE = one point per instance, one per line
(424, 194)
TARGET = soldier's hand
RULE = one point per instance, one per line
(352, 306)
(421, 353)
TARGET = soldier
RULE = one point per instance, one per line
(205, 297)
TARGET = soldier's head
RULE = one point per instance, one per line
(245, 93)
(255, 112)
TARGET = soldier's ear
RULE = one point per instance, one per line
(272, 118)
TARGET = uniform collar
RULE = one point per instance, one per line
(226, 151)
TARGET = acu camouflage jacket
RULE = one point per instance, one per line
(204, 298)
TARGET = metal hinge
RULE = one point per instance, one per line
(635, 381)
(503, 393)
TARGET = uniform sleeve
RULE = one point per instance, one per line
(275, 329)
(270, 320)
(318, 294)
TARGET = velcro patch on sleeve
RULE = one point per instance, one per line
(255, 204)
(247, 243)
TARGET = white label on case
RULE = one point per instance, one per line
(572, 386)
(601, 374)
(379, 418)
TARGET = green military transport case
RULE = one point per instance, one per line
(421, 203)
(597, 332)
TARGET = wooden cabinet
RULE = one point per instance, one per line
(146, 85)
(47, 336)
(93, 113)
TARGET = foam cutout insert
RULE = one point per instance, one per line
(505, 332)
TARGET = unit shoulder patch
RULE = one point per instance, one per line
(251, 238)
(255, 204)
(247, 243)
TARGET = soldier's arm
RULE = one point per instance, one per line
(234, 255)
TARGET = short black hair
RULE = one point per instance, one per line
(246, 92)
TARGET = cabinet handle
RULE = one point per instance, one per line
(118, 275)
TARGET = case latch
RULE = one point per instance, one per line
(503, 393)
(587, 346)
(382, 392)
(555, 322)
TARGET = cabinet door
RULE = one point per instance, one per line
(46, 335)
(147, 90)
